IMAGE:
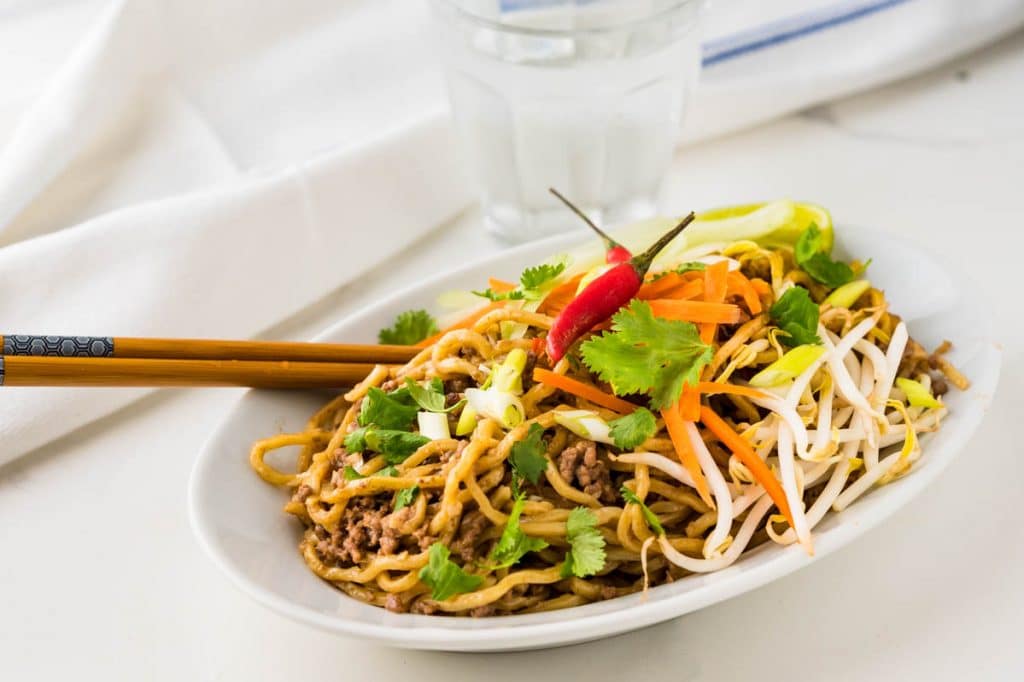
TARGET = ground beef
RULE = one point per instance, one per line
(472, 526)
(339, 461)
(531, 363)
(423, 537)
(302, 492)
(482, 611)
(359, 532)
(448, 455)
(456, 385)
(424, 607)
(394, 604)
(579, 465)
(339, 458)
(939, 386)
(388, 541)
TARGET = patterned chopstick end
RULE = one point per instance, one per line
(59, 346)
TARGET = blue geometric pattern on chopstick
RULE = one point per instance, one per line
(59, 346)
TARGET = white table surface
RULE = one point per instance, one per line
(100, 573)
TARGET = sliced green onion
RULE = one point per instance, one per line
(513, 330)
(467, 421)
(433, 425)
(917, 394)
(846, 295)
(501, 406)
(585, 424)
(508, 377)
(788, 367)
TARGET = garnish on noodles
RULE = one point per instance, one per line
(732, 395)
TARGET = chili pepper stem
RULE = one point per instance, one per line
(609, 243)
(642, 262)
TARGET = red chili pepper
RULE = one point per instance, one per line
(604, 296)
(614, 251)
(617, 254)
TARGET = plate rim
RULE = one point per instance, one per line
(516, 635)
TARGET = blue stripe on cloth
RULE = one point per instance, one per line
(791, 28)
(765, 36)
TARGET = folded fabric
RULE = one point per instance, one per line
(205, 169)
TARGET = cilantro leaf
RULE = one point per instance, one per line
(532, 282)
(586, 544)
(406, 496)
(394, 445)
(813, 260)
(630, 431)
(350, 474)
(797, 315)
(409, 328)
(645, 354)
(394, 410)
(651, 518)
(444, 577)
(356, 441)
(527, 458)
(539, 275)
(514, 544)
(492, 295)
(691, 266)
(430, 398)
(827, 271)
(808, 243)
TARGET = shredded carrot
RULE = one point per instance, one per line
(739, 284)
(695, 311)
(500, 285)
(715, 286)
(560, 296)
(713, 387)
(761, 287)
(681, 442)
(692, 289)
(743, 450)
(464, 323)
(672, 288)
(689, 404)
(585, 391)
(660, 287)
(716, 281)
(687, 275)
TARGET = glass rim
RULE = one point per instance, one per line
(555, 33)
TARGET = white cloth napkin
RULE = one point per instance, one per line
(207, 169)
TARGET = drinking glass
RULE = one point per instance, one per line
(585, 96)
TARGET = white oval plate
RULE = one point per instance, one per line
(238, 518)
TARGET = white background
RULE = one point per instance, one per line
(101, 578)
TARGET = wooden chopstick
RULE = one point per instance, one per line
(17, 370)
(129, 361)
(202, 349)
